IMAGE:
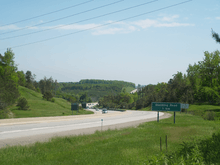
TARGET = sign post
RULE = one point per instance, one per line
(157, 116)
(174, 117)
(101, 124)
(160, 106)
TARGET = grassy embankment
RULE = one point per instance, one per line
(125, 146)
(43, 108)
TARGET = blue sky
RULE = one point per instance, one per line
(144, 50)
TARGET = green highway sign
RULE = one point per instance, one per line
(165, 106)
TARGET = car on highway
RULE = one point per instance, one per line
(104, 111)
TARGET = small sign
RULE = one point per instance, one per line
(184, 106)
(165, 106)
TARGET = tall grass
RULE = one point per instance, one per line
(125, 146)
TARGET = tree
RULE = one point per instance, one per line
(8, 59)
(47, 95)
(48, 84)
(215, 36)
(22, 103)
(83, 97)
(21, 78)
(8, 79)
(29, 80)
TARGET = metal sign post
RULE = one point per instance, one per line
(101, 124)
(174, 117)
(157, 116)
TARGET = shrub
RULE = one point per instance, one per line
(209, 115)
(53, 100)
(48, 95)
(22, 103)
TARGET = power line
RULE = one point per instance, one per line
(27, 19)
(102, 25)
(80, 20)
(63, 17)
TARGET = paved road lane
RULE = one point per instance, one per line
(30, 130)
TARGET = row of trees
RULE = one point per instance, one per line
(8, 80)
(96, 81)
(11, 78)
(95, 89)
(201, 84)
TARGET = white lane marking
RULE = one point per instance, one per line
(58, 120)
(32, 129)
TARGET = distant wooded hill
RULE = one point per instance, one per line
(94, 88)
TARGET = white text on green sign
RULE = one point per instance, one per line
(165, 106)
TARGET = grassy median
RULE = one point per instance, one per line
(125, 146)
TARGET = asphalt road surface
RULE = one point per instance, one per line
(25, 131)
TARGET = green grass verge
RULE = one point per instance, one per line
(201, 109)
(43, 108)
(125, 146)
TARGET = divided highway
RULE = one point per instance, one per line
(29, 130)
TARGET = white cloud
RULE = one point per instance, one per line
(77, 27)
(170, 18)
(9, 27)
(115, 28)
(108, 31)
(155, 23)
(217, 17)
(145, 23)
(174, 24)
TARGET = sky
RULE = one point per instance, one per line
(141, 41)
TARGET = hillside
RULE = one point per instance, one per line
(43, 108)
(94, 88)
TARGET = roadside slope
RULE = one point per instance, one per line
(43, 108)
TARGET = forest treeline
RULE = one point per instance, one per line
(94, 89)
(82, 91)
(201, 84)
(97, 81)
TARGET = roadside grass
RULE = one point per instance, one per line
(42, 108)
(146, 109)
(124, 146)
(201, 109)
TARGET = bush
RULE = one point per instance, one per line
(53, 100)
(48, 95)
(22, 103)
(197, 152)
(209, 115)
